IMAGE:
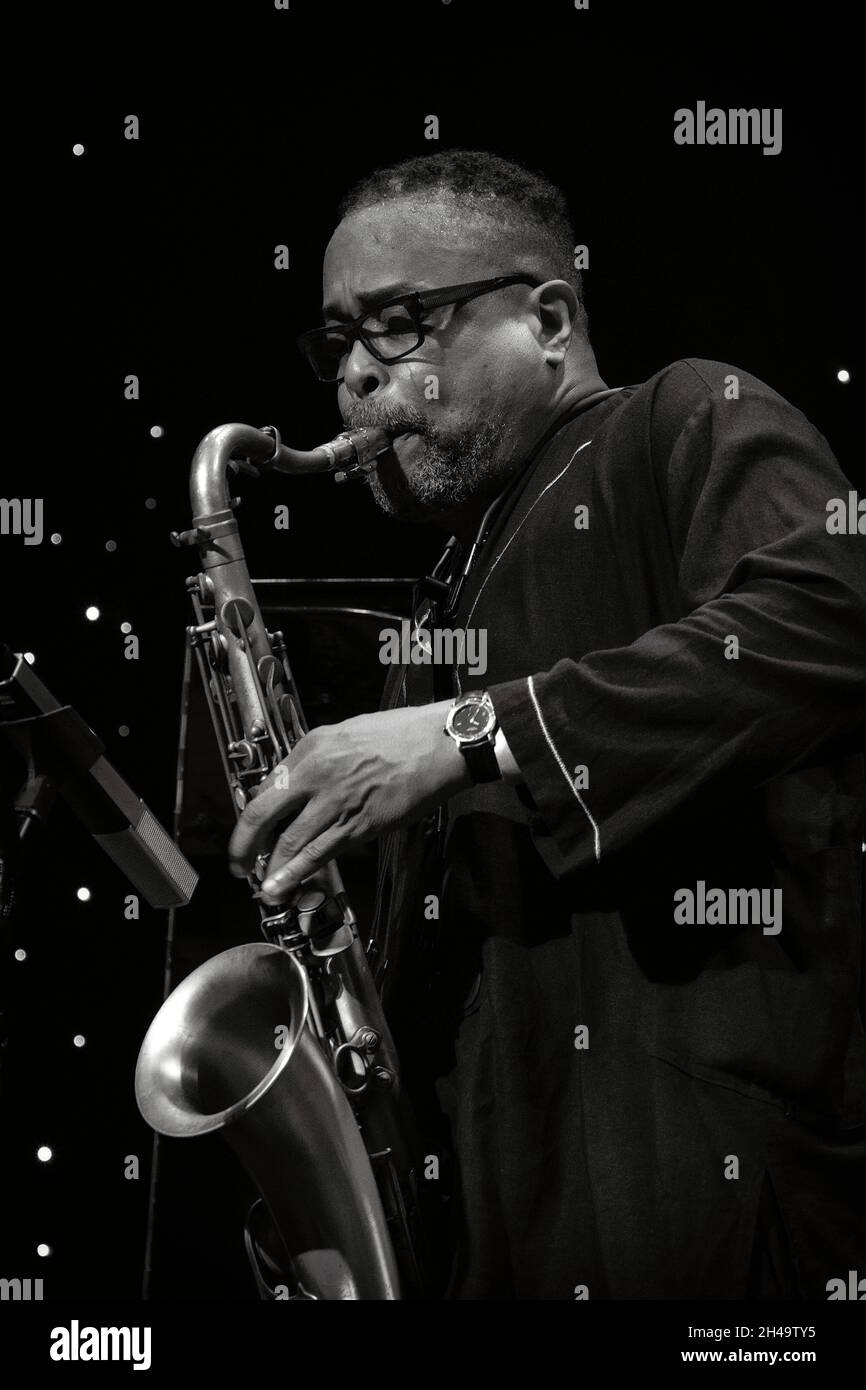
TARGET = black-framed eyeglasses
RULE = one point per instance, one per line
(394, 328)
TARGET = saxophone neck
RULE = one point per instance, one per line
(350, 455)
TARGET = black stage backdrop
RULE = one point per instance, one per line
(153, 257)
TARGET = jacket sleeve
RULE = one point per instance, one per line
(765, 667)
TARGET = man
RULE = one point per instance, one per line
(638, 939)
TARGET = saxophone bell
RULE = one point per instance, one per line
(232, 1050)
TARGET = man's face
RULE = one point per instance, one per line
(466, 392)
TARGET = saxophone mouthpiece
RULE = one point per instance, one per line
(355, 452)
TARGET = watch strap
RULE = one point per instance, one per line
(482, 762)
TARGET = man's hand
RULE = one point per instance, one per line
(345, 784)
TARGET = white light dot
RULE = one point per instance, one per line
(91, 613)
(20, 954)
(43, 1250)
(126, 627)
(83, 895)
(44, 1154)
(56, 538)
(156, 431)
(30, 658)
(78, 149)
(79, 1040)
(843, 375)
(111, 545)
(123, 730)
(150, 503)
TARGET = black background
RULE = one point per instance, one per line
(155, 257)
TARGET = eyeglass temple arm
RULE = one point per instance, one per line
(435, 298)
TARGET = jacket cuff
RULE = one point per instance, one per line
(564, 814)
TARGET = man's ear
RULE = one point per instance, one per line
(557, 313)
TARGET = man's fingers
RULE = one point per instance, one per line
(317, 817)
(283, 795)
(304, 862)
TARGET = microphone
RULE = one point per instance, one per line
(66, 756)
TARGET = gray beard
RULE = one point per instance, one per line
(446, 475)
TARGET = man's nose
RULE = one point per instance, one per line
(363, 373)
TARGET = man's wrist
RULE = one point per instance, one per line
(456, 763)
(506, 759)
(455, 773)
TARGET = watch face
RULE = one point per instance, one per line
(472, 720)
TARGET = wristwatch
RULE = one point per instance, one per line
(472, 724)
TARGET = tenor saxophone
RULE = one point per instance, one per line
(282, 1045)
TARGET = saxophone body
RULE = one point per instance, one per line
(282, 1045)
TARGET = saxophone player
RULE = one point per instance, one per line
(641, 1001)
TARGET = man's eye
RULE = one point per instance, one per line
(391, 320)
(392, 325)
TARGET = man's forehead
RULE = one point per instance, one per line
(398, 242)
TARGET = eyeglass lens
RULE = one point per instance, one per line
(389, 331)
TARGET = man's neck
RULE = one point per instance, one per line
(464, 525)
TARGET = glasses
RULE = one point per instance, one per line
(392, 329)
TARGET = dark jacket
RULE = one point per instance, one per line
(680, 672)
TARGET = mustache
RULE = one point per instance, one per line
(404, 423)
